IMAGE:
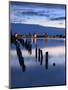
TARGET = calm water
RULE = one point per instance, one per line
(28, 18)
(36, 74)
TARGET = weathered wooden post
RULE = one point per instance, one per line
(39, 54)
(41, 60)
(46, 60)
(19, 54)
(36, 52)
(21, 41)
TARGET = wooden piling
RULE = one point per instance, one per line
(21, 41)
(20, 57)
(39, 54)
(46, 60)
(41, 60)
(36, 52)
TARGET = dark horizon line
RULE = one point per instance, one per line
(41, 36)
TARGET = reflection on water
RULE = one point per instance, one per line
(45, 42)
(47, 58)
(41, 49)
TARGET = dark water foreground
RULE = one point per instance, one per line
(41, 78)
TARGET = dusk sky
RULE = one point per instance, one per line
(44, 15)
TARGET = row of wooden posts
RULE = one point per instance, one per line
(39, 56)
(27, 45)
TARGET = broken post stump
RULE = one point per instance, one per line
(46, 60)
(36, 52)
(41, 60)
(20, 57)
(39, 54)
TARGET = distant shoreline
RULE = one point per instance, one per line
(47, 37)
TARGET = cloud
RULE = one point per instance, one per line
(53, 17)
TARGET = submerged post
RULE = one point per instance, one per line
(46, 60)
(39, 54)
(36, 52)
(20, 57)
(41, 60)
(21, 41)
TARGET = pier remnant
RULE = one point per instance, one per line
(41, 60)
(21, 41)
(20, 57)
(39, 54)
(54, 64)
(46, 60)
(36, 52)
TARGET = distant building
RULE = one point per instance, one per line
(16, 35)
(34, 38)
(45, 35)
(34, 35)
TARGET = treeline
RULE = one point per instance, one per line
(57, 36)
(39, 36)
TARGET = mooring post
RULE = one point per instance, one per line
(46, 60)
(36, 52)
(39, 54)
(20, 57)
(41, 60)
(21, 41)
